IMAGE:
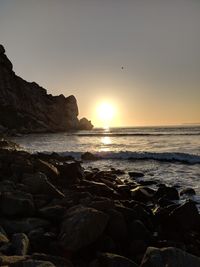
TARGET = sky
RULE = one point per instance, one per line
(80, 46)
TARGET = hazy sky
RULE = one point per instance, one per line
(79, 46)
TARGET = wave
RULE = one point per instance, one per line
(129, 155)
(133, 134)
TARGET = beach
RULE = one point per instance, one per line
(68, 208)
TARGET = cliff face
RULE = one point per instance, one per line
(26, 107)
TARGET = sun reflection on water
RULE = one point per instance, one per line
(106, 140)
(105, 143)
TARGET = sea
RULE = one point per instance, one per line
(169, 155)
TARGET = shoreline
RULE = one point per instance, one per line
(89, 217)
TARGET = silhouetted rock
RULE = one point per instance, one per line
(188, 191)
(89, 156)
(112, 260)
(185, 216)
(85, 124)
(18, 203)
(81, 227)
(38, 183)
(167, 192)
(136, 174)
(26, 107)
(20, 244)
(142, 193)
(171, 257)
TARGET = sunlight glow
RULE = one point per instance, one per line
(105, 113)
(106, 140)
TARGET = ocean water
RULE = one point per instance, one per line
(169, 155)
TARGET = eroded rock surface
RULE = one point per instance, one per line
(26, 107)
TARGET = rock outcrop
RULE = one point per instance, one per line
(27, 108)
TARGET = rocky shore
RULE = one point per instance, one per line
(25, 107)
(56, 213)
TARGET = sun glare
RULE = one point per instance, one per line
(105, 112)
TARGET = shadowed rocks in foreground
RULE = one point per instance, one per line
(56, 213)
(25, 107)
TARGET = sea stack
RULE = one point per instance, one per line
(25, 107)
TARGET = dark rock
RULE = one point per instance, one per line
(7, 186)
(185, 216)
(82, 226)
(170, 257)
(138, 231)
(188, 191)
(105, 244)
(147, 182)
(112, 260)
(85, 124)
(35, 263)
(58, 261)
(12, 260)
(128, 213)
(54, 213)
(41, 241)
(99, 189)
(163, 202)
(170, 193)
(3, 239)
(89, 156)
(102, 205)
(162, 216)
(20, 244)
(116, 228)
(117, 171)
(142, 193)
(17, 203)
(22, 225)
(136, 174)
(70, 173)
(41, 200)
(26, 107)
(38, 184)
(47, 168)
(137, 247)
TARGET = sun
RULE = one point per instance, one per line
(105, 112)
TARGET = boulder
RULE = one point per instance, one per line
(23, 225)
(89, 156)
(42, 241)
(35, 263)
(116, 228)
(99, 189)
(170, 257)
(134, 174)
(142, 193)
(12, 260)
(17, 204)
(112, 260)
(3, 239)
(47, 168)
(81, 227)
(54, 212)
(167, 192)
(188, 191)
(185, 217)
(20, 244)
(58, 261)
(70, 173)
(138, 231)
(38, 184)
(85, 124)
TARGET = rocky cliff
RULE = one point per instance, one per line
(27, 108)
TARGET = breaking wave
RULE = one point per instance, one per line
(129, 155)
